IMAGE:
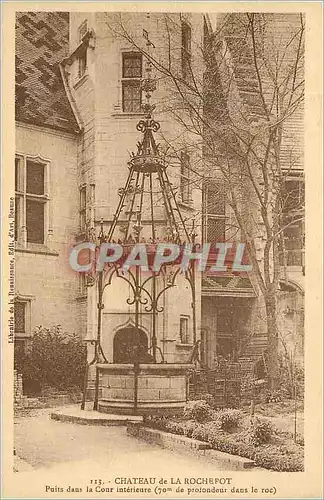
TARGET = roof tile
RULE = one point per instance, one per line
(41, 43)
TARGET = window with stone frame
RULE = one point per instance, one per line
(214, 212)
(185, 179)
(184, 330)
(31, 200)
(131, 82)
(292, 240)
(185, 51)
(20, 317)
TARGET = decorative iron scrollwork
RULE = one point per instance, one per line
(150, 124)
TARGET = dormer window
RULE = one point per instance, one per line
(82, 29)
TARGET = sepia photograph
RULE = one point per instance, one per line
(156, 252)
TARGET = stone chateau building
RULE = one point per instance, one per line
(78, 101)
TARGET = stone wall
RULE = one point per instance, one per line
(43, 273)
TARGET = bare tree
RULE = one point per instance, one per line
(239, 95)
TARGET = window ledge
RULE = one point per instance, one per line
(22, 336)
(186, 346)
(35, 248)
(125, 115)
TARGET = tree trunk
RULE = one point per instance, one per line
(272, 357)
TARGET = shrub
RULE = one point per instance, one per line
(270, 457)
(229, 419)
(199, 411)
(261, 432)
(300, 440)
(156, 422)
(205, 432)
(291, 374)
(280, 459)
(273, 397)
(201, 433)
(53, 359)
(175, 427)
(208, 398)
(285, 457)
(190, 427)
(230, 443)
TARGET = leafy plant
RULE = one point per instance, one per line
(174, 427)
(284, 457)
(199, 411)
(54, 360)
(189, 428)
(201, 432)
(209, 399)
(291, 377)
(280, 459)
(273, 396)
(229, 419)
(261, 432)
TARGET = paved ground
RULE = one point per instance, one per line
(44, 443)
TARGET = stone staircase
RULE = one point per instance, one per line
(226, 383)
(223, 383)
(254, 351)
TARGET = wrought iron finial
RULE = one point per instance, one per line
(147, 159)
(148, 84)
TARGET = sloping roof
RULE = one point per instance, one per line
(227, 284)
(41, 43)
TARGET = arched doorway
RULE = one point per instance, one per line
(124, 346)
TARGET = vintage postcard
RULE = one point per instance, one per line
(162, 250)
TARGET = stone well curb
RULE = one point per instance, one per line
(185, 444)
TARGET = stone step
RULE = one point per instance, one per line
(74, 414)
